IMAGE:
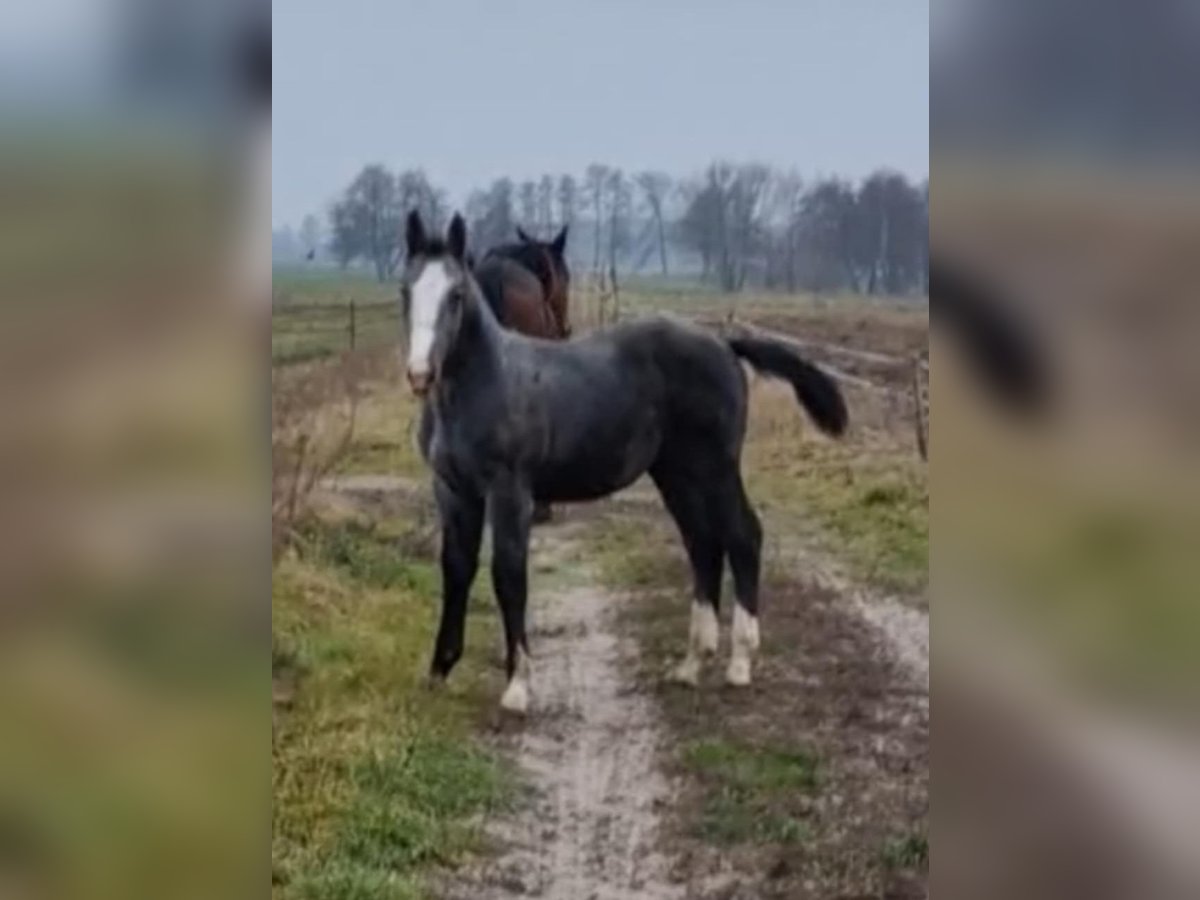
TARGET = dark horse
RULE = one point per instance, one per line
(509, 420)
(527, 285)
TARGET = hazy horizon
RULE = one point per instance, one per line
(472, 91)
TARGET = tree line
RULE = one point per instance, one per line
(732, 225)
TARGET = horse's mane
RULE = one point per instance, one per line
(534, 257)
(490, 280)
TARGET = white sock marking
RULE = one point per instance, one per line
(702, 640)
(702, 635)
(745, 642)
(516, 695)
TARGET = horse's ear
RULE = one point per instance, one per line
(523, 236)
(456, 237)
(559, 244)
(414, 234)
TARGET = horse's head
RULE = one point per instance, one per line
(435, 288)
(552, 272)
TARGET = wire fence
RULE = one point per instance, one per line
(302, 332)
(305, 331)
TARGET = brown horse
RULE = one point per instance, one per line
(511, 295)
(517, 297)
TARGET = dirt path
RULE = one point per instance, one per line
(588, 749)
(844, 675)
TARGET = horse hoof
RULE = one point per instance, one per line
(434, 682)
(687, 672)
(515, 698)
(738, 673)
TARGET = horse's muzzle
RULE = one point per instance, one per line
(419, 382)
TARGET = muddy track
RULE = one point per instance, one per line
(589, 751)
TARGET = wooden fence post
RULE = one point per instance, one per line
(921, 402)
(352, 324)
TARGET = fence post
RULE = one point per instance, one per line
(352, 329)
(921, 402)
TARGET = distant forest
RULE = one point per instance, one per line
(733, 226)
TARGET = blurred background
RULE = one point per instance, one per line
(1065, 145)
(135, 560)
(134, 219)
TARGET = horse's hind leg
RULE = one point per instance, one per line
(743, 541)
(686, 500)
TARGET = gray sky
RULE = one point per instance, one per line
(471, 90)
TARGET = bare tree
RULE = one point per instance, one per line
(827, 221)
(376, 214)
(656, 187)
(887, 240)
(568, 200)
(724, 219)
(417, 193)
(344, 241)
(527, 199)
(490, 215)
(620, 207)
(310, 235)
(596, 180)
(545, 204)
(783, 215)
(749, 224)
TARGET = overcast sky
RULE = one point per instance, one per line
(471, 90)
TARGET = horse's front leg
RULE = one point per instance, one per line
(511, 513)
(462, 529)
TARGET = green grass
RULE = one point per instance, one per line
(384, 439)
(747, 789)
(881, 520)
(376, 778)
(310, 314)
(874, 511)
(633, 556)
(371, 556)
(908, 852)
(291, 285)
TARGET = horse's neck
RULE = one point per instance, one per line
(475, 366)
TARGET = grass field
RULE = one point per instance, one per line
(311, 312)
(376, 779)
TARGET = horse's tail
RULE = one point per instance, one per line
(816, 391)
(1002, 347)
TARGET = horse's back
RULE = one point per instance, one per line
(598, 410)
(515, 296)
(703, 386)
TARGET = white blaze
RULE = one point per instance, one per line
(427, 294)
